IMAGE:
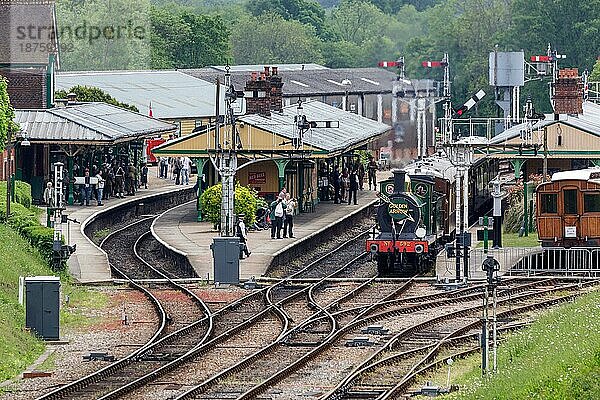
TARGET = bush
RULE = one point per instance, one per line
(246, 202)
(24, 220)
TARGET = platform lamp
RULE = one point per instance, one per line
(12, 144)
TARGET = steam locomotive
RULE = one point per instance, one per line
(416, 213)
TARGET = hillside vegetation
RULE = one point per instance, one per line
(336, 33)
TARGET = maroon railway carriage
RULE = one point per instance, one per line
(568, 209)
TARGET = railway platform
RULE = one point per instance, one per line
(179, 230)
(89, 264)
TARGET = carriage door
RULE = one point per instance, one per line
(571, 225)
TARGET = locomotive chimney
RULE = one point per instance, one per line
(399, 180)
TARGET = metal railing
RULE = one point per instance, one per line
(572, 261)
(529, 261)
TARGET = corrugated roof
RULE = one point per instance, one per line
(325, 81)
(260, 67)
(353, 128)
(173, 94)
(589, 122)
(88, 122)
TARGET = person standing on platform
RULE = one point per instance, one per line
(345, 184)
(288, 223)
(119, 181)
(242, 233)
(110, 178)
(361, 175)
(86, 189)
(272, 217)
(164, 167)
(372, 168)
(279, 214)
(353, 186)
(144, 178)
(335, 180)
(177, 170)
(49, 195)
(99, 188)
(186, 166)
(131, 179)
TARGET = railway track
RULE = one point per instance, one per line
(389, 371)
(265, 340)
(293, 304)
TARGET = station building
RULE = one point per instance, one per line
(271, 157)
(80, 135)
(572, 142)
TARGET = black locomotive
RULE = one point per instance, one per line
(416, 213)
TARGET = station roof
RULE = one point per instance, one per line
(173, 94)
(272, 136)
(588, 122)
(353, 128)
(577, 175)
(259, 67)
(88, 123)
(319, 82)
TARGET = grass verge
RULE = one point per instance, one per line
(513, 240)
(557, 357)
(19, 348)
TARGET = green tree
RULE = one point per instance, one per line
(94, 94)
(7, 115)
(595, 74)
(104, 34)
(274, 40)
(306, 11)
(184, 39)
(246, 202)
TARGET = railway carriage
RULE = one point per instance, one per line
(568, 209)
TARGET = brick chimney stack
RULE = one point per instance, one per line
(276, 91)
(257, 94)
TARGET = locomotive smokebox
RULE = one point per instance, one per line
(399, 180)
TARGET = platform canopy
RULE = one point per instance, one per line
(88, 124)
(271, 136)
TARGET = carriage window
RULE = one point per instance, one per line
(549, 203)
(591, 202)
(570, 201)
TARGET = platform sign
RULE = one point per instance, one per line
(257, 178)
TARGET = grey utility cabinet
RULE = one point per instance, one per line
(42, 306)
(226, 256)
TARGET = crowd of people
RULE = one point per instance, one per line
(344, 186)
(347, 182)
(110, 180)
(175, 168)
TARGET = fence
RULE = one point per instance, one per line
(529, 261)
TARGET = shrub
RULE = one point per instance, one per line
(24, 220)
(246, 202)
